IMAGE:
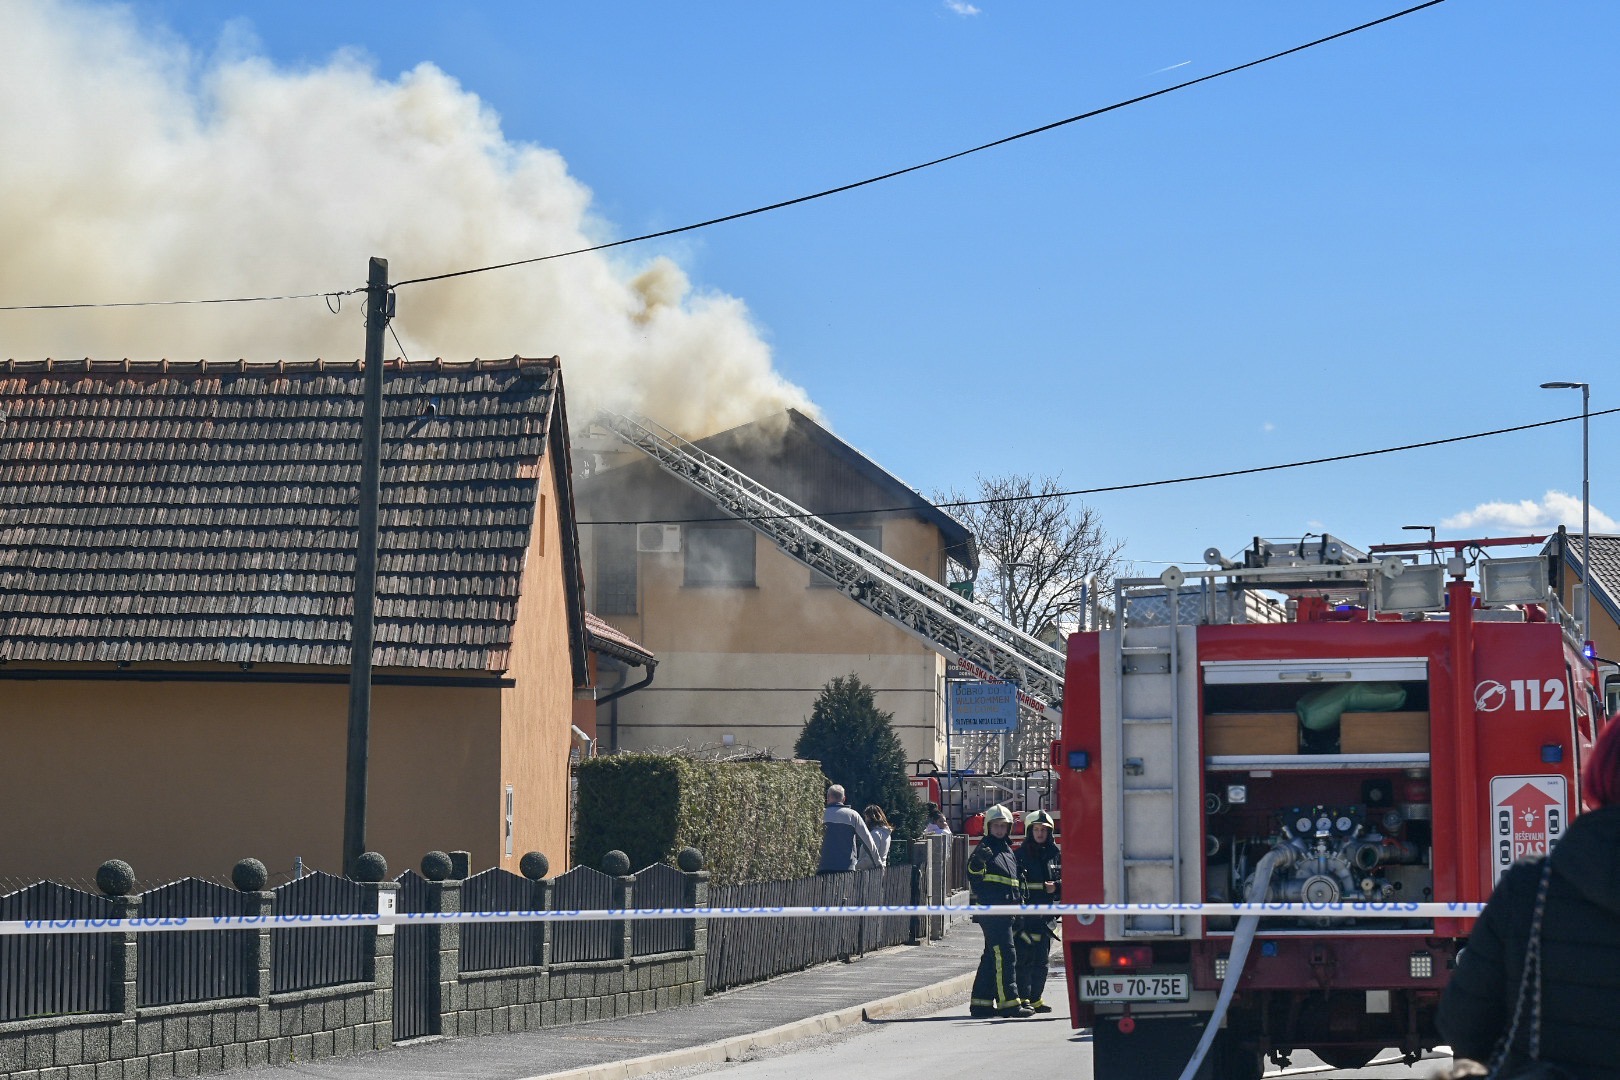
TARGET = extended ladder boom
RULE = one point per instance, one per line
(973, 637)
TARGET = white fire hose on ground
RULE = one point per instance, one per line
(1241, 940)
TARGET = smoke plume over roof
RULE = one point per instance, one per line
(133, 171)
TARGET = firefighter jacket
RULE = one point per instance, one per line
(992, 872)
(1038, 864)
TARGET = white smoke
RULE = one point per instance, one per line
(131, 170)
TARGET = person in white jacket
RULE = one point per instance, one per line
(878, 824)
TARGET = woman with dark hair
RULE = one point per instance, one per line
(878, 824)
(1569, 901)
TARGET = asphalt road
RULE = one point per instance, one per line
(942, 1044)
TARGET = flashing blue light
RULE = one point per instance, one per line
(1552, 753)
(1079, 760)
(1344, 607)
(1268, 948)
(1590, 651)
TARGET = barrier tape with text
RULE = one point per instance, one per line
(1338, 909)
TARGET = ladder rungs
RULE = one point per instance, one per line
(1145, 650)
(1166, 861)
(1147, 719)
(1149, 791)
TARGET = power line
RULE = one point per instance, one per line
(327, 296)
(925, 165)
(330, 294)
(1110, 488)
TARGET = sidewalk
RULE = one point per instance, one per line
(672, 1034)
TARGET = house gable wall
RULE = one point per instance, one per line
(537, 711)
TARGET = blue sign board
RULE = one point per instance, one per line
(983, 707)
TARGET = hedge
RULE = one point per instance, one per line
(753, 820)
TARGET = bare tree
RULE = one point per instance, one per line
(1038, 552)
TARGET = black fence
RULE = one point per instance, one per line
(195, 965)
(660, 886)
(492, 946)
(416, 969)
(956, 859)
(311, 957)
(55, 974)
(584, 889)
(747, 950)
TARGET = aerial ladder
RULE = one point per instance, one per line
(979, 641)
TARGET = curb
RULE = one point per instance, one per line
(735, 1047)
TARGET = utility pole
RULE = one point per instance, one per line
(362, 633)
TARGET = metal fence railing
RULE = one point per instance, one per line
(311, 957)
(195, 965)
(492, 946)
(584, 889)
(53, 974)
(660, 886)
(747, 950)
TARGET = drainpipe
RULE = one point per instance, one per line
(613, 699)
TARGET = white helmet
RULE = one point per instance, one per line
(997, 813)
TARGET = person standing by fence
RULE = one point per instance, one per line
(1041, 872)
(878, 824)
(844, 836)
(993, 879)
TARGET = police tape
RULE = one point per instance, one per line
(1086, 913)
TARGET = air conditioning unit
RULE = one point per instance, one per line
(658, 539)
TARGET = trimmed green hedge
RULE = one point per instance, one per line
(753, 820)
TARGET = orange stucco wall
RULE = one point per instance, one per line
(182, 778)
(537, 712)
(186, 778)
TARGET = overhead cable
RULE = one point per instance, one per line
(1110, 488)
(925, 165)
(758, 209)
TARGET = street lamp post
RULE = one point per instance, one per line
(1586, 502)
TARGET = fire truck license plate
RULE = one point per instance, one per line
(1135, 988)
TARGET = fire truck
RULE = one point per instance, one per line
(1310, 724)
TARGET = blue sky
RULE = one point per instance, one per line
(1390, 238)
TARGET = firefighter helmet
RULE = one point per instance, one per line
(1039, 817)
(998, 813)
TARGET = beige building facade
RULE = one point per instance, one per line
(747, 636)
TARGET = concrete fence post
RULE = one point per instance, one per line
(544, 898)
(125, 959)
(444, 946)
(922, 889)
(697, 896)
(382, 955)
(261, 905)
(623, 896)
(939, 873)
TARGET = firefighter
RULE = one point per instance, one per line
(992, 872)
(1042, 877)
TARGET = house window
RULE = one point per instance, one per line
(870, 535)
(615, 570)
(720, 555)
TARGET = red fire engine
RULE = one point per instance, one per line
(1370, 725)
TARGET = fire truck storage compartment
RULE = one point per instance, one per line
(1349, 801)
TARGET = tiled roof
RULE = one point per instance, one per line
(605, 638)
(1605, 568)
(205, 511)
